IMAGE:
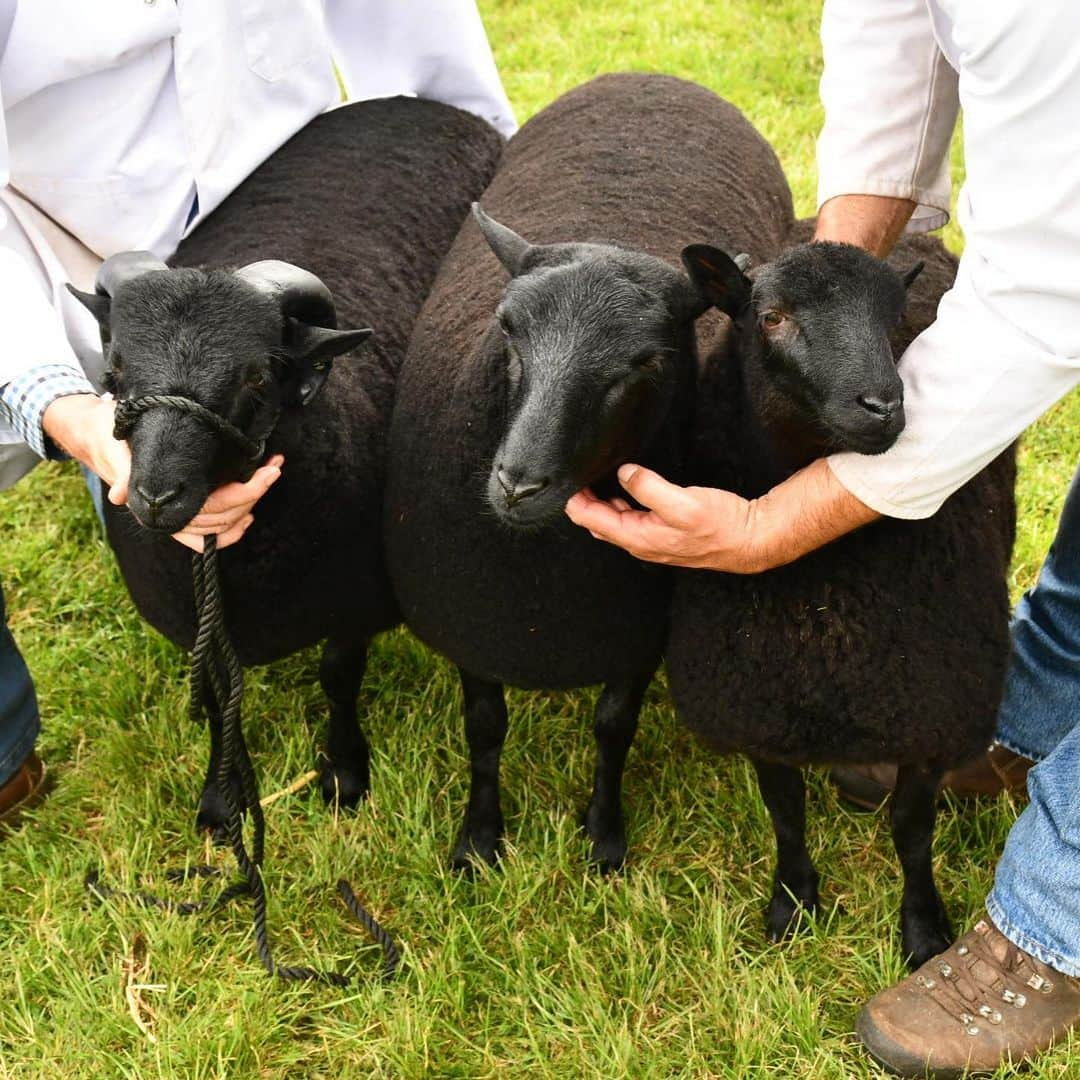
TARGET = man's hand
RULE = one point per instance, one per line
(690, 526)
(82, 426)
(227, 512)
(716, 530)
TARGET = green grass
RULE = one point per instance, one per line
(541, 969)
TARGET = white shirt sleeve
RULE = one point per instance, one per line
(37, 363)
(1006, 342)
(437, 48)
(890, 100)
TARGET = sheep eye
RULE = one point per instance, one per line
(772, 319)
(256, 380)
(505, 325)
(513, 365)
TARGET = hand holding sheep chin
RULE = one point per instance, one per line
(82, 425)
(718, 530)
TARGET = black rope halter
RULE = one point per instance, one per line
(128, 411)
(217, 682)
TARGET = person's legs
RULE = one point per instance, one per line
(1041, 705)
(19, 721)
(97, 496)
(1035, 901)
(1011, 986)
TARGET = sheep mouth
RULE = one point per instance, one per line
(861, 438)
(540, 511)
(169, 521)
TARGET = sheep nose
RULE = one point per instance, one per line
(879, 407)
(517, 487)
(161, 499)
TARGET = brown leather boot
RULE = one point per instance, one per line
(868, 786)
(981, 1003)
(22, 791)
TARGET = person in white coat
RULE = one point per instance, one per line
(1004, 348)
(122, 126)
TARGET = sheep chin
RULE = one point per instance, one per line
(536, 513)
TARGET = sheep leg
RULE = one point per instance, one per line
(614, 726)
(345, 767)
(925, 929)
(795, 883)
(485, 730)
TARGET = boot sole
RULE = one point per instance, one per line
(859, 790)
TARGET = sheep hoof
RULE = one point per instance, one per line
(342, 786)
(608, 856)
(213, 815)
(472, 848)
(787, 916)
(608, 841)
(925, 937)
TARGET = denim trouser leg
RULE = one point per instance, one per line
(1035, 901)
(97, 496)
(19, 721)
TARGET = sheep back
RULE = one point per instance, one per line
(648, 162)
(369, 197)
(888, 645)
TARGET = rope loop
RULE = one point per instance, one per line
(128, 411)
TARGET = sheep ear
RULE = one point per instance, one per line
(510, 249)
(98, 304)
(912, 274)
(719, 279)
(311, 352)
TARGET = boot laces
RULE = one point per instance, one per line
(976, 986)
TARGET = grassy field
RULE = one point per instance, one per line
(541, 969)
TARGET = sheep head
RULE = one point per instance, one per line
(244, 345)
(595, 339)
(812, 331)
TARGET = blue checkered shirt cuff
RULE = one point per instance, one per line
(23, 402)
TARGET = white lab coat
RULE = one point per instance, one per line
(1006, 342)
(116, 116)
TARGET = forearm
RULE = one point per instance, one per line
(872, 222)
(805, 512)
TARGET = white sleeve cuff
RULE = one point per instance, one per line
(932, 204)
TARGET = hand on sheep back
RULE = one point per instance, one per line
(710, 529)
(82, 425)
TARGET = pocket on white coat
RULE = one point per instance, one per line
(280, 35)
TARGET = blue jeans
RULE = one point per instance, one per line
(1035, 901)
(19, 721)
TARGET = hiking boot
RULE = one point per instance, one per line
(981, 1003)
(868, 786)
(23, 790)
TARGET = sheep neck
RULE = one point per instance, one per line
(778, 440)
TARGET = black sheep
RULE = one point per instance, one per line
(369, 198)
(887, 645)
(514, 396)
